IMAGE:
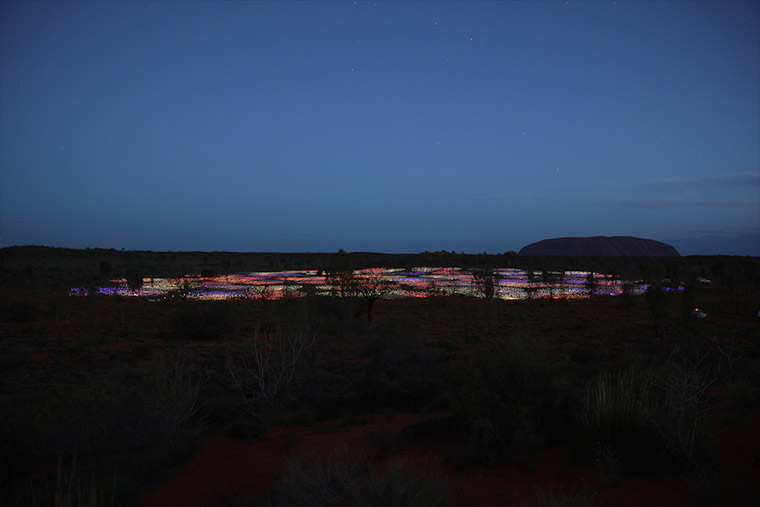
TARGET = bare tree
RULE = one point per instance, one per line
(487, 282)
(340, 274)
(550, 280)
(179, 394)
(531, 289)
(371, 287)
(685, 402)
(274, 371)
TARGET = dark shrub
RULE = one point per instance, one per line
(348, 479)
(506, 400)
(584, 355)
(273, 374)
(650, 419)
(401, 372)
(617, 415)
(203, 320)
(123, 410)
(19, 311)
(134, 279)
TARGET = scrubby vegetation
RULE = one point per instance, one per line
(648, 419)
(101, 396)
(346, 477)
(507, 401)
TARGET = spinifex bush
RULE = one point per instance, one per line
(142, 416)
(335, 480)
(650, 419)
(618, 413)
(71, 486)
(507, 400)
(406, 485)
(348, 479)
(400, 371)
(546, 495)
(122, 410)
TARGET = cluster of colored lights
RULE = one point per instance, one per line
(391, 283)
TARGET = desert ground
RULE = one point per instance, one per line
(439, 400)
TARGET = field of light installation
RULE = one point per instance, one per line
(392, 283)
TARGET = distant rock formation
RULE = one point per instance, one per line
(601, 246)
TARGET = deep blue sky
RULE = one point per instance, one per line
(380, 126)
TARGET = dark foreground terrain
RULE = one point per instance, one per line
(441, 401)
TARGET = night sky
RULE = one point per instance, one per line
(379, 126)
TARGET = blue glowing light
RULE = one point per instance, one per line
(394, 283)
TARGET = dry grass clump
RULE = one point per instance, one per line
(650, 419)
(509, 400)
(548, 496)
(70, 487)
(348, 479)
(140, 419)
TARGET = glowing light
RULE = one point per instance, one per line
(397, 283)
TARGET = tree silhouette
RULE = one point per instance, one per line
(339, 273)
(550, 279)
(531, 289)
(658, 306)
(591, 284)
(371, 288)
(134, 279)
(487, 280)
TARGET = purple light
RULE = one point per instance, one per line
(509, 283)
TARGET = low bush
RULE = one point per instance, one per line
(273, 375)
(507, 400)
(347, 479)
(649, 419)
(245, 429)
(741, 392)
(18, 312)
(70, 486)
(203, 320)
(547, 496)
(607, 464)
(400, 371)
(618, 412)
(134, 279)
(314, 481)
(123, 410)
(584, 355)
(408, 486)
(134, 420)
